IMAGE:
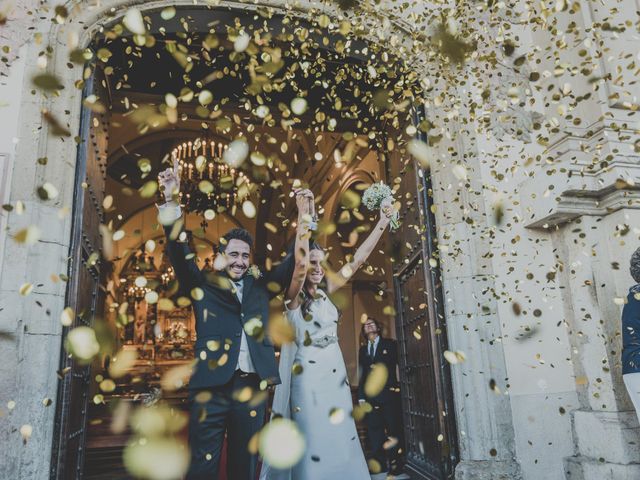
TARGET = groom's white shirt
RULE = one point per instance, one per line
(171, 211)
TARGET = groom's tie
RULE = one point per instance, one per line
(371, 349)
(238, 285)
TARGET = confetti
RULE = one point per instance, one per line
(82, 343)
(281, 443)
(134, 22)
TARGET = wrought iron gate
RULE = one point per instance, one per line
(84, 294)
(427, 398)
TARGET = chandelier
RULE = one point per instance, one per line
(207, 183)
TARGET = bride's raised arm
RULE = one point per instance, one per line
(362, 253)
(304, 201)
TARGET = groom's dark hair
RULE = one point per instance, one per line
(236, 234)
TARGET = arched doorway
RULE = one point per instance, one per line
(427, 395)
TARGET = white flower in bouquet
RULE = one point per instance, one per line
(375, 195)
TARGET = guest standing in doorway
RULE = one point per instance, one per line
(384, 422)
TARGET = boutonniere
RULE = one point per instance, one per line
(384, 352)
(255, 272)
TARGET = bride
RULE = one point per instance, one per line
(317, 395)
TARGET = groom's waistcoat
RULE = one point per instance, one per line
(220, 317)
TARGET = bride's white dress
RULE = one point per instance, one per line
(319, 399)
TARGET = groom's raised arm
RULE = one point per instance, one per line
(181, 257)
(170, 216)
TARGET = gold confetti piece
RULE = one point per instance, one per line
(460, 172)
(272, 228)
(183, 302)
(209, 214)
(243, 395)
(281, 443)
(47, 82)
(165, 304)
(26, 431)
(220, 263)
(454, 357)
(350, 199)
(417, 333)
(336, 416)
(298, 105)
(25, 289)
(249, 209)
(494, 387)
(176, 377)
(67, 316)
(28, 236)
(241, 42)
(151, 297)
(134, 22)
(280, 330)
(197, 293)
(150, 246)
(376, 380)
(168, 13)
(582, 380)
(374, 466)
(171, 100)
(253, 327)
(82, 343)
(149, 189)
(120, 417)
(390, 443)
(236, 153)
(157, 458)
(122, 362)
(107, 385)
(205, 97)
(206, 187)
(389, 310)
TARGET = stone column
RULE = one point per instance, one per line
(483, 416)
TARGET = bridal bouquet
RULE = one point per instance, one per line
(373, 198)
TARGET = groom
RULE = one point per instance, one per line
(232, 366)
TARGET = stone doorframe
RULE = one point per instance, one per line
(486, 421)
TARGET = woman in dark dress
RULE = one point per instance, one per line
(631, 335)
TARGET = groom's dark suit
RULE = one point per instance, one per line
(220, 318)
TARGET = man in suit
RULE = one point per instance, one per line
(384, 423)
(235, 362)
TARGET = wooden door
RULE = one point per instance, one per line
(84, 295)
(427, 398)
